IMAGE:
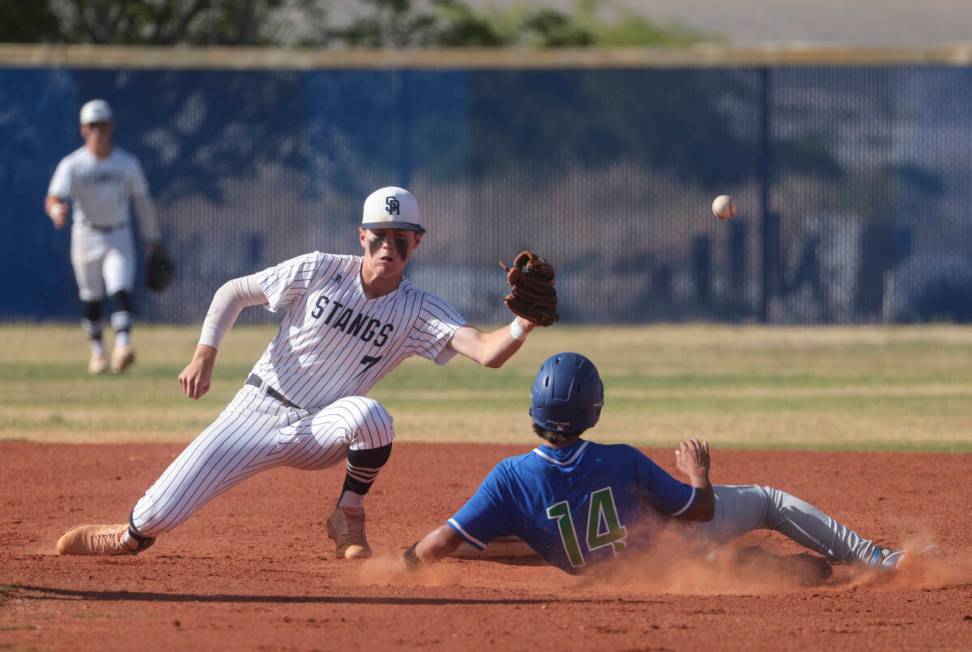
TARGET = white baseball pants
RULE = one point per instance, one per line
(254, 433)
(744, 508)
(102, 260)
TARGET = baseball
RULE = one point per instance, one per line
(724, 207)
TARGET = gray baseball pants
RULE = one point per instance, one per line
(745, 508)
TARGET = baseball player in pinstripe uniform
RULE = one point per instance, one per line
(348, 321)
(101, 179)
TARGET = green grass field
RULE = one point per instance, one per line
(822, 388)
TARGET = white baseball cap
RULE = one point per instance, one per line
(391, 207)
(96, 111)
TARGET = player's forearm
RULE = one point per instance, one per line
(434, 546)
(227, 304)
(692, 459)
(494, 348)
(699, 478)
(500, 347)
(703, 507)
(205, 354)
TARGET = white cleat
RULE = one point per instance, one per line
(97, 363)
(122, 358)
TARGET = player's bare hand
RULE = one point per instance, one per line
(692, 459)
(197, 377)
(59, 214)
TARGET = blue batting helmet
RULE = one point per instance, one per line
(567, 394)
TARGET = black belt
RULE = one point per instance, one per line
(105, 229)
(256, 381)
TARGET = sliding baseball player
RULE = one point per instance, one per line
(579, 504)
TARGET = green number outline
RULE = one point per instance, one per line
(568, 534)
(601, 510)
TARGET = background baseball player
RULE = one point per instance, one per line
(577, 503)
(101, 180)
(349, 320)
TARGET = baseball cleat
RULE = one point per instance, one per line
(97, 363)
(346, 527)
(122, 358)
(884, 559)
(889, 560)
(95, 540)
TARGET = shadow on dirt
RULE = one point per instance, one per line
(42, 593)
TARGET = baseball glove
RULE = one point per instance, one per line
(533, 295)
(159, 269)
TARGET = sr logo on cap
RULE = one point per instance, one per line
(391, 208)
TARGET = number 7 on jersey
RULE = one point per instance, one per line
(368, 361)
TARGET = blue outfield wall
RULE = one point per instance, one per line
(852, 183)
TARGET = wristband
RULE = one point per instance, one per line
(412, 562)
(517, 332)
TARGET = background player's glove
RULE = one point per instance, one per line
(533, 296)
(159, 269)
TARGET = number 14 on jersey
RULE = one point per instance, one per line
(603, 526)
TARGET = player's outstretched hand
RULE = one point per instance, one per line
(692, 459)
(196, 378)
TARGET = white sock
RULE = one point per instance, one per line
(122, 338)
(97, 346)
(351, 499)
(129, 542)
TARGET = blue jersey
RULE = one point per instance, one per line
(574, 506)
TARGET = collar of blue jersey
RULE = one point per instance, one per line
(562, 456)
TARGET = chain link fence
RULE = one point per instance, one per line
(852, 183)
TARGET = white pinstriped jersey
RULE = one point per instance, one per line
(334, 341)
(101, 188)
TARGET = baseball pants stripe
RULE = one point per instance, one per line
(255, 433)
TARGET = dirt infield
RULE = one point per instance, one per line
(253, 570)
